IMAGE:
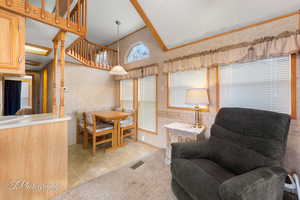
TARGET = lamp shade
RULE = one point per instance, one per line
(196, 96)
(118, 70)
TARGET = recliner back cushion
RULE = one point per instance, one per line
(245, 139)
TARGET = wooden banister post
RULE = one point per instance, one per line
(62, 75)
(54, 74)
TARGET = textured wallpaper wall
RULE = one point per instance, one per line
(87, 89)
(166, 115)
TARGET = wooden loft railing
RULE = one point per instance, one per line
(62, 16)
(92, 55)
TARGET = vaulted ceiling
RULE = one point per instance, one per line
(176, 22)
(102, 15)
(181, 21)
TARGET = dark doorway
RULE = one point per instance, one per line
(12, 97)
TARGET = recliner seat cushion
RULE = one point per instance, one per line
(236, 158)
(199, 177)
(245, 139)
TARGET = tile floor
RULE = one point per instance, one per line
(84, 167)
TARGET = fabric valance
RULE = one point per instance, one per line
(284, 44)
(139, 72)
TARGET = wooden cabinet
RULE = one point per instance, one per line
(34, 161)
(12, 43)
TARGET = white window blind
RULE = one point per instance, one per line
(147, 103)
(25, 87)
(263, 84)
(179, 82)
(126, 94)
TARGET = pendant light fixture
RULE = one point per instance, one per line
(118, 69)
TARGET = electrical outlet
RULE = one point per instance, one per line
(143, 138)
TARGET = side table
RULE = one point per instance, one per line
(181, 132)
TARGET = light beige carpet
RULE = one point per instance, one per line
(150, 181)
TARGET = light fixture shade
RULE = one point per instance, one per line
(196, 96)
(118, 70)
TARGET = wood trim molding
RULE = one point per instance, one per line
(293, 58)
(136, 103)
(126, 36)
(185, 108)
(156, 106)
(148, 23)
(147, 131)
(34, 103)
(293, 65)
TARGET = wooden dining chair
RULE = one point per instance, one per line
(79, 128)
(128, 126)
(99, 131)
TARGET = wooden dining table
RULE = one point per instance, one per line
(115, 116)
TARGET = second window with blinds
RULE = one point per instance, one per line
(145, 96)
(180, 82)
(264, 84)
(126, 94)
(147, 104)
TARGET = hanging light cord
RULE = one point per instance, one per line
(118, 32)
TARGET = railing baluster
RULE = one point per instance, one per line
(82, 50)
(108, 57)
(9, 3)
(78, 14)
(85, 12)
(68, 13)
(76, 49)
(27, 9)
(97, 56)
(92, 54)
(57, 12)
(43, 9)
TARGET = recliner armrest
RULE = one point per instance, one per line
(190, 150)
(264, 183)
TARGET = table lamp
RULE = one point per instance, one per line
(197, 97)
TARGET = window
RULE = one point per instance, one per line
(264, 84)
(25, 94)
(138, 52)
(147, 104)
(180, 82)
(126, 94)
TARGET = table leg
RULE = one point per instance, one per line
(119, 134)
(85, 139)
(115, 136)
